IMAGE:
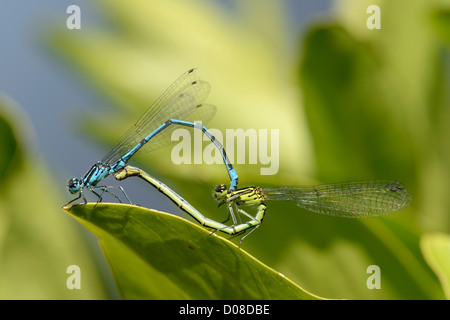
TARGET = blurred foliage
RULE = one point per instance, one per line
(37, 241)
(352, 104)
(436, 249)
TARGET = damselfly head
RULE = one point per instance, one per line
(220, 192)
(74, 185)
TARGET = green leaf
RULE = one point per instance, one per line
(436, 250)
(8, 145)
(155, 255)
(440, 20)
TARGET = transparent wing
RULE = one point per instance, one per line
(181, 101)
(201, 112)
(353, 199)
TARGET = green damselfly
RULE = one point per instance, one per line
(352, 200)
(371, 198)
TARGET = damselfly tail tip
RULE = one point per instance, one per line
(399, 188)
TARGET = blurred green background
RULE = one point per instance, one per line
(350, 103)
